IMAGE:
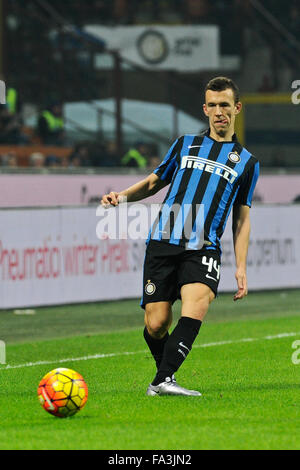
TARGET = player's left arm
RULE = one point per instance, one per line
(241, 234)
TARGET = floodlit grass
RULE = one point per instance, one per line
(250, 389)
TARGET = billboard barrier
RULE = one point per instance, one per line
(54, 256)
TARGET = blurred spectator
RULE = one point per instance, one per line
(81, 156)
(104, 154)
(10, 160)
(37, 160)
(101, 11)
(52, 161)
(110, 155)
(197, 11)
(13, 101)
(11, 128)
(64, 162)
(75, 162)
(294, 20)
(93, 11)
(244, 5)
(154, 162)
(153, 159)
(136, 157)
(121, 12)
(169, 12)
(144, 12)
(51, 125)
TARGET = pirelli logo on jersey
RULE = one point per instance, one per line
(209, 166)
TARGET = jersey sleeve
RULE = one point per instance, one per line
(168, 166)
(246, 189)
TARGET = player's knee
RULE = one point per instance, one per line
(157, 323)
(156, 327)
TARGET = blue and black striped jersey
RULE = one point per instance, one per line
(206, 179)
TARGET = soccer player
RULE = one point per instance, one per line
(209, 174)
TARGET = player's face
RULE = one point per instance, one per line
(221, 110)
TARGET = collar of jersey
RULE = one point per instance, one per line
(207, 134)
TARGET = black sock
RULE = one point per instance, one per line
(156, 346)
(177, 348)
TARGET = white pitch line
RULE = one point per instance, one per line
(103, 356)
(70, 359)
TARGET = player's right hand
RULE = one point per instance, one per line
(111, 199)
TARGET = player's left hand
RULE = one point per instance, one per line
(241, 279)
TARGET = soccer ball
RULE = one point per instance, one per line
(63, 392)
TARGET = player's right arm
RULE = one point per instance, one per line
(141, 190)
(157, 180)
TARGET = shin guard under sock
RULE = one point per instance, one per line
(156, 346)
(177, 348)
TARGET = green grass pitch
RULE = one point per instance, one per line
(241, 362)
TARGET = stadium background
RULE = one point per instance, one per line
(123, 79)
(126, 77)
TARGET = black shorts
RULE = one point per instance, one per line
(168, 267)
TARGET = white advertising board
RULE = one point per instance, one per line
(274, 249)
(53, 256)
(184, 48)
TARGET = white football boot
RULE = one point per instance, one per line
(170, 387)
